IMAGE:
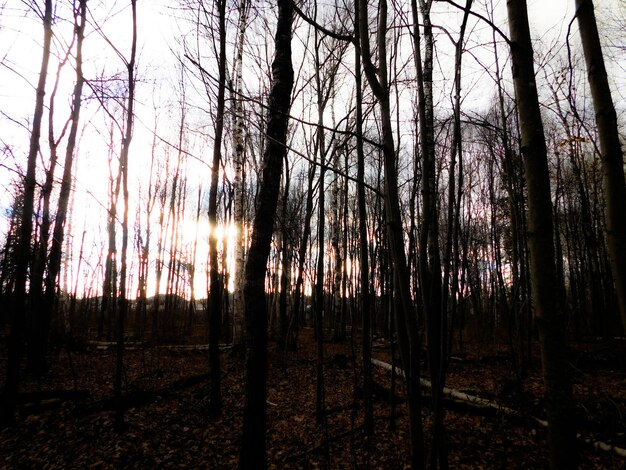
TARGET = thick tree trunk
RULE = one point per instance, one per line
(612, 156)
(519, 306)
(253, 445)
(545, 294)
(429, 257)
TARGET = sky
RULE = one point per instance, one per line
(159, 72)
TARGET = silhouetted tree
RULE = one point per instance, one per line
(253, 446)
(545, 293)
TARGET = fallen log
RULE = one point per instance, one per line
(139, 398)
(140, 345)
(480, 402)
(30, 403)
(42, 395)
(106, 345)
(191, 347)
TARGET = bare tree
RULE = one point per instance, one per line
(58, 235)
(144, 242)
(38, 323)
(126, 140)
(545, 292)
(363, 243)
(25, 232)
(405, 318)
(610, 146)
(253, 448)
(429, 253)
(216, 288)
(239, 180)
(108, 303)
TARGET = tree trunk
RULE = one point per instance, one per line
(612, 156)
(339, 333)
(239, 180)
(18, 307)
(123, 301)
(253, 445)
(54, 258)
(37, 324)
(545, 295)
(285, 269)
(429, 257)
(216, 288)
(318, 298)
(406, 321)
(363, 244)
(306, 233)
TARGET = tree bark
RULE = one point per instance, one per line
(429, 258)
(253, 441)
(612, 156)
(239, 180)
(545, 297)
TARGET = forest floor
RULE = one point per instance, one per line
(168, 425)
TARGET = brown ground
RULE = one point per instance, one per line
(170, 428)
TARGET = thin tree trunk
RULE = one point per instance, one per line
(239, 180)
(339, 331)
(159, 263)
(285, 269)
(123, 301)
(319, 301)
(216, 288)
(58, 234)
(406, 321)
(37, 324)
(192, 268)
(18, 307)
(143, 247)
(306, 233)
(363, 244)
